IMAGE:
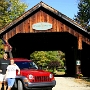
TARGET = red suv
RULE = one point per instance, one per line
(31, 77)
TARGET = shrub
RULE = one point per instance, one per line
(79, 74)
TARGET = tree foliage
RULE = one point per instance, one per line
(39, 58)
(45, 57)
(3, 12)
(10, 10)
(83, 15)
(1, 48)
(53, 65)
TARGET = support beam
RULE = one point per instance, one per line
(78, 62)
(80, 42)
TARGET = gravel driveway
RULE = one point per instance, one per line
(68, 83)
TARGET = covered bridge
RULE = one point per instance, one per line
(42, 28)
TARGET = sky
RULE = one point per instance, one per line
(66, 7)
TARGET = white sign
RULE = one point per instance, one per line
(42, 26)
(78, 62)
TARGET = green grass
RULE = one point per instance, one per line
(59, 73)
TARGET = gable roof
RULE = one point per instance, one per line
(42, 4)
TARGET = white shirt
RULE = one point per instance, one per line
(11, 71)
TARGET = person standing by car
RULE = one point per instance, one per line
(11, 74)
(4, 62)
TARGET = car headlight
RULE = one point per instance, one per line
(51, 76)
(30, 76)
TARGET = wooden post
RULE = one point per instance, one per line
(80, 42)
(78, 63)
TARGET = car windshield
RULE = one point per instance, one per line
(26, 65)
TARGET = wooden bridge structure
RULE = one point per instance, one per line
(43, 28)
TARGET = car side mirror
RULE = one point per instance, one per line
(40, 67)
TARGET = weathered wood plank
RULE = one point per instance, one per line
(41, 16)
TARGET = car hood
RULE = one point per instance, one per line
(34, 72)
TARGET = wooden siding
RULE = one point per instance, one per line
(41, 16)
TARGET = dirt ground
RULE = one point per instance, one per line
(69, 83)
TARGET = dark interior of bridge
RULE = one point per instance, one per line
(25, 43)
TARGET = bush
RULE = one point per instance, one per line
(50, 70)
(61, 70)
(79, 75)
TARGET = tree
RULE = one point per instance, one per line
(3, 12)
(10, 10)
(52, 55)
(53, 65)
(1, 48)
(39, 57)
(45, 57)
(83, 15)
(62, 58)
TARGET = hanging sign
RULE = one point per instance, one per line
(42, 26)
(78, 62)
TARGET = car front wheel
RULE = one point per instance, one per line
(20, 85)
